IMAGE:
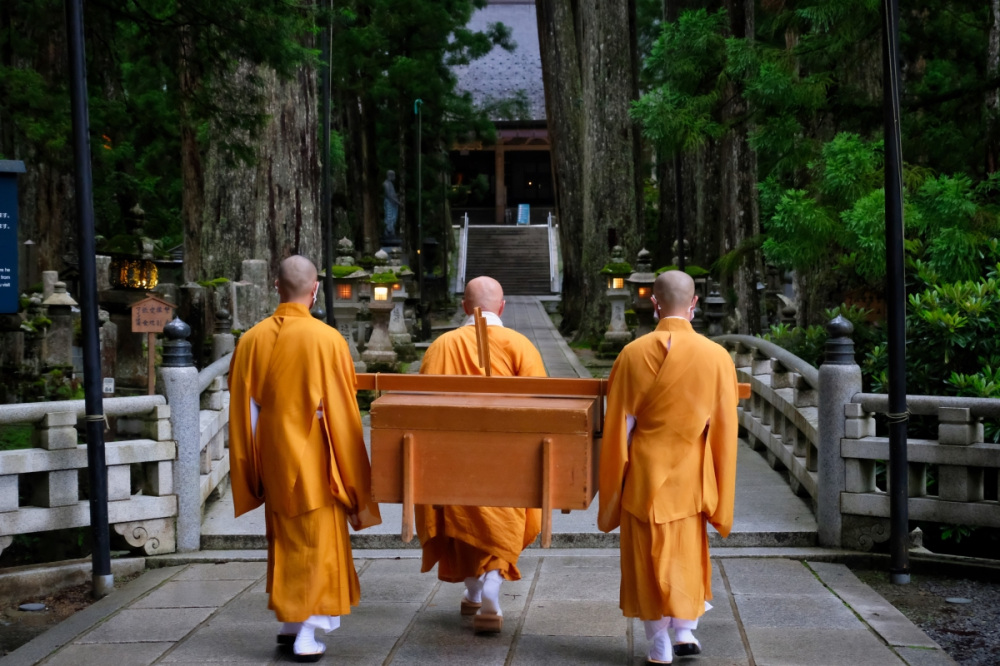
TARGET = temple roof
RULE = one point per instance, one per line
(501, 74)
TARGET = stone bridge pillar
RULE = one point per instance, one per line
(839, 381)
(180, 382)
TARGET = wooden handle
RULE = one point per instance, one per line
(407, 530)
(482, 341)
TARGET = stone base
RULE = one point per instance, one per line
(406, 352)
(383, 366)
(374, 358)
(612, 344)
(360, 366)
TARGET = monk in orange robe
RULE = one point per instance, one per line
(296, 446)
(668, 467)
(479, 546)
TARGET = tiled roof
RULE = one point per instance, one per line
(501, 74)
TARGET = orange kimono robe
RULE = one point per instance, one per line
(296, 445)
(673, 471)
(468, 541)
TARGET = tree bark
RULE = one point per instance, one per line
(557, 36)
(46, 191)
(269, 209)
(192, 171)
(738, 168)
(993, 96)
(609, 181)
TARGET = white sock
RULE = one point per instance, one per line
(305, 641)
(491, 593)
(290, 627)
(473, 590)
(659, 640)
(683, 629)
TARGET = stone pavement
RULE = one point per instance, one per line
(778, 600)
(767, 612)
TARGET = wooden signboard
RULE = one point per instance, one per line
(149, 316)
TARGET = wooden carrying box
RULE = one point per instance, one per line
(483, 449)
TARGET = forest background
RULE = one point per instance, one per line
(757, 122)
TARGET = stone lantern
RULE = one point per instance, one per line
(379, 355)
(616, 271)
(642, 280)
(347, 287)
(58, 348)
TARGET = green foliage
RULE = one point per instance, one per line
(387, 277)
(343, 271)
(683, 72)
(694, 271)
(36, 325)
(952, 339)
(617, 268)
(215, 282)
(16, 436)
(808, 343)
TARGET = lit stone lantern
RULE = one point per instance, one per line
(642, 284)
(347, 287)
(379, 355)
(616, 271)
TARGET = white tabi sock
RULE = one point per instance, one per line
(659, 640)
(491, 593)
(683, 629)
(473, 590)
(305, 641)
(290, 628)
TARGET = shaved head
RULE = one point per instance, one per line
(674, 292)
(296, 279)
(483, 292)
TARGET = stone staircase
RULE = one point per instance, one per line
(516, 256)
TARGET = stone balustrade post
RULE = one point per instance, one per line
(180, 382)
(839, 381)
(223, 341)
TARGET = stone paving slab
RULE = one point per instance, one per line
(564, 610)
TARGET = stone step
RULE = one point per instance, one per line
(517, 257)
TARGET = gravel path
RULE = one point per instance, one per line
(969, 632)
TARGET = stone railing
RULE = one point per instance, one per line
(818, 425)
(781, 419)
(200, 421)
(40, 488)
(165, 457)
(962, 465)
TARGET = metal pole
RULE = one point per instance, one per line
(324, 190)
(899, 568)
(103, 581)
(420, 230)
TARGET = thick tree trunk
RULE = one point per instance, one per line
(609, 180)
(557, 36)
(362, 172)
(993, 96)
(192, 169)
(738, 169)
(46, 192)
(269, 209)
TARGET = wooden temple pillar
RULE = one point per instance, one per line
(501, 185)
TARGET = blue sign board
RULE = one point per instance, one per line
(8, 235)
(524, 213)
